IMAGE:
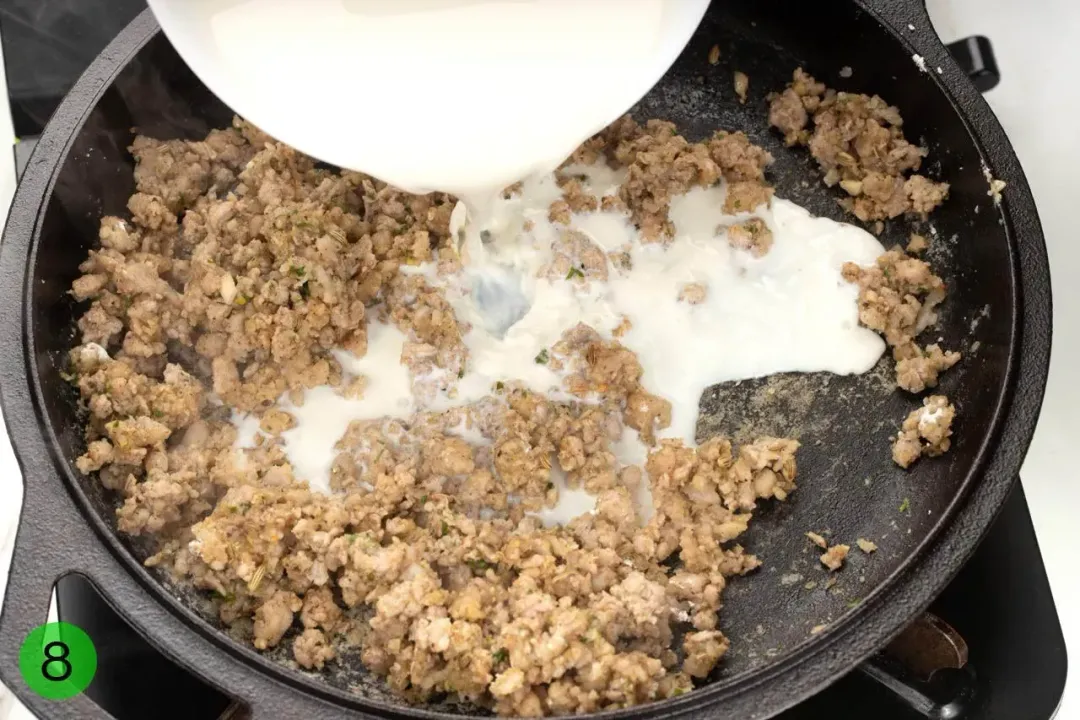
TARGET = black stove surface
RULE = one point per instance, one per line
(1001, 604)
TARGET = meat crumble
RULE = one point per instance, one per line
(925, 431)
(897, 298)
(661, 164)
(753, 236)
(859, 144)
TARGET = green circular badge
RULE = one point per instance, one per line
(57, 660)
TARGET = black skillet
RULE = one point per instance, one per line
(791, 635)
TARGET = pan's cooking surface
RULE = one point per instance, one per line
(848, 484)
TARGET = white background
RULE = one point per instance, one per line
(1038, 101)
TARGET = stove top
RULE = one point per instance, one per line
(1000, 604)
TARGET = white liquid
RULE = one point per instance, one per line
(788, 311)
(462, 96)
(325, 414)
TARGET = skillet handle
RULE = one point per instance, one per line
(974, 55)
(54, 540)
(42, 554)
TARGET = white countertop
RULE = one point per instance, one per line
(1038, 102)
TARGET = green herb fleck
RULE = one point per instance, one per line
(225, 597)
(461, 373)
(550, 485)
(297, 270)
(423, 499)
(445, 529)
(906, 505)
(679, 691)
(583, 638)
(303, 224)
(500, 656)
(574, 273)
(478, 564)
(499, 385)
(351, 537)
(241, 300)
(157, 413)
(542, 357)
(853, 603)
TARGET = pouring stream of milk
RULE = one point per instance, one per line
(460, 96)
(470, 96)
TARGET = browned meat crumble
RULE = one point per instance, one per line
(661, 164)
(833, 558)
(926, 431)
(897, 298)
(859, 144)
(753, 236)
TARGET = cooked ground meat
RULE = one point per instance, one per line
(576, 198)
(859, 144)
(920, 370)
(926, 431)
(661, 164)
(241, 268)
(897, 297)
(916, 244)
(834, 557)
(577, 257)
(312, 650)
(754, 236)
(742, 84)
(693, 293)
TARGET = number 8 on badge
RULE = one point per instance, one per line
(57, 660)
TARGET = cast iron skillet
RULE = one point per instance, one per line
(927, 522)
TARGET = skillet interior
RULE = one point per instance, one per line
(848, 485)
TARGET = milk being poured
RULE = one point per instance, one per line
(460, 96)
(470, 96)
